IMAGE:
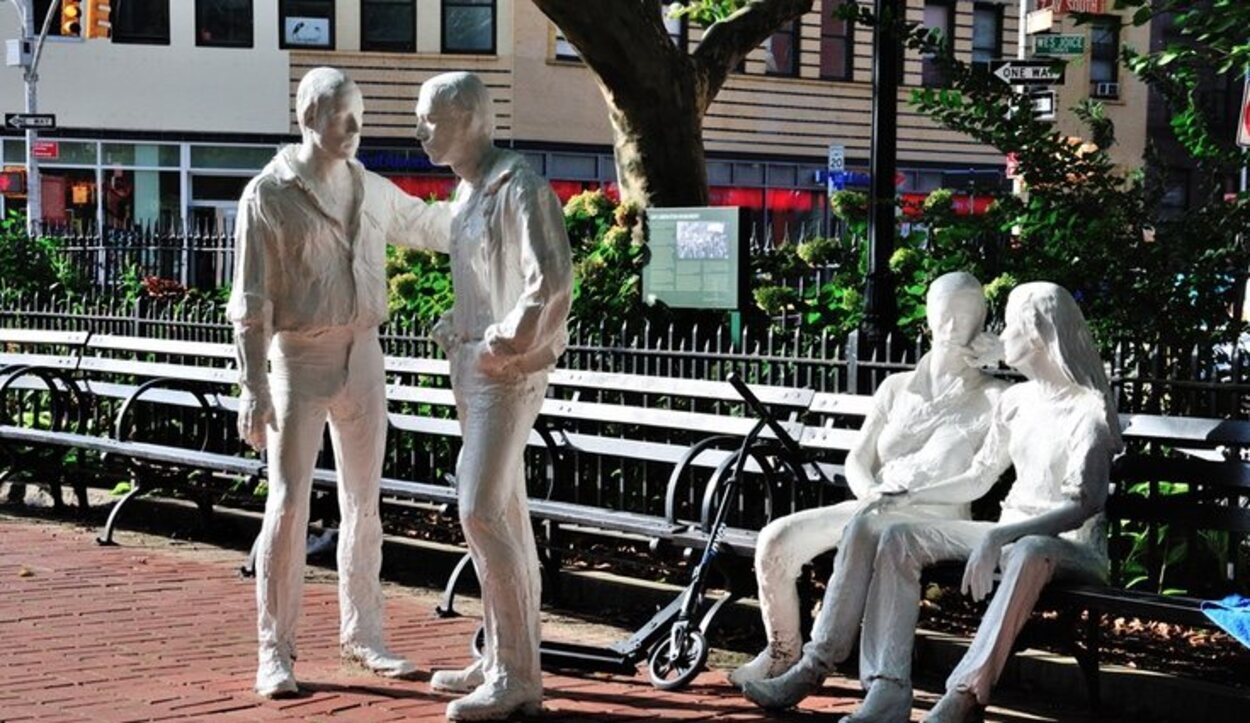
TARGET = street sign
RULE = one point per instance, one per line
(1039, 21)
(22, 121)
(1243, 128)
(1044, 104)
(837, 157)
(1042, 71)
(1013, 165)
(1059, 44)
(1063, 7)
(46, 150)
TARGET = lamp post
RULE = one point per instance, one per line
(880, 307)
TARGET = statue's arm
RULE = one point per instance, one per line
(991, 460)
(862, 459)
(250, 307)
(534, 216)
(418, 224)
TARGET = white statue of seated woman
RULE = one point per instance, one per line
(1060, 431)
(925, 425)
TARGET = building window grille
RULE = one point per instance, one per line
(939, 18)
(987, 32)
(140, 22)
(1104, 58)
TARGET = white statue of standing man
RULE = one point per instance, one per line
(512, 275)
(309, 294)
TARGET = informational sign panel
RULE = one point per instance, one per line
(698, 258)
(46, 150)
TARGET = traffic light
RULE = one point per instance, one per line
(98, 25)
(71, 18)
(12, 183)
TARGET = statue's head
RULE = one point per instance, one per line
(1046, 327)
(955, 308)
(455, 118)
(329, 109)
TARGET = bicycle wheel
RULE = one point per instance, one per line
(674, 671)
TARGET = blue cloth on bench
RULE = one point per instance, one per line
(1232, 614)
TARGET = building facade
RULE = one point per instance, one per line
(166, 121)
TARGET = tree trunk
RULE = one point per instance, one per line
(658, 141)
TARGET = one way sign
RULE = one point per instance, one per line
(29, 120)
(1046, 71)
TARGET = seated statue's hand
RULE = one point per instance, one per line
(979, 573)
(255, 418)
(885, 501)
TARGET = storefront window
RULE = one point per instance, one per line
(249, 158)
(223, 23)
(140, 198)
(469, 26)
(14, 151)
(141, 154)
(73, 153)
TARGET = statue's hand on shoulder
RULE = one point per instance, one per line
(255, 418)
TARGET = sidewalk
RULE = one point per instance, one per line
(161, 630)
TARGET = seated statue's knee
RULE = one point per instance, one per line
(1032, 551)
(894, 549)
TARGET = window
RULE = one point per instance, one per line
(388, 25)
(469, 26)
(141, 22)
(1104, 58)
(939, 18)
(306, 24)
(676, 28)
(781, 51)
(987, 32)
(836, 51)
(223, 23)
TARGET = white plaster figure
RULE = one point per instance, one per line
(1060, 431)
(309, 293)
(512, 275)
(924, 426)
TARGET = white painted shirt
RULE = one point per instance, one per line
(511, 267)
(299, 269)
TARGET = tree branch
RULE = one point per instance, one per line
(624, 42)
(727, 42)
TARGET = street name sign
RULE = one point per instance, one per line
(29, 120)
(1037, 71)
(1059, 44)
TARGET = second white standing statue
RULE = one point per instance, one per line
(512, 276)
(1060, 431)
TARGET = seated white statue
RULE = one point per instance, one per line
(1060, 431)
(924, 425)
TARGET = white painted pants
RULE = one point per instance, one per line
(885, 556)
(496, 417)
(336, 375)
(787, 544)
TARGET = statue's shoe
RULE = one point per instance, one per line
(275, 676)
(768, 664)
(378, 660)
(496, 701)
(888, 701)
(789, 688)
(465, 680)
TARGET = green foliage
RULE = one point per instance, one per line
(34, 264)
(1086, 224)
(419, 283)
(608, 255)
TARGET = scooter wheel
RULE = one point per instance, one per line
(478, 643)
(672, 672)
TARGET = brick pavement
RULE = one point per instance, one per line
(154, 633)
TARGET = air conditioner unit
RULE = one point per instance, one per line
(1106, 90)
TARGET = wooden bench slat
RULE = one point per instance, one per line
(153, 345)
(221, 375)
(43, 336)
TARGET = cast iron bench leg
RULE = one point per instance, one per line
(106, 538)
(447, 607)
